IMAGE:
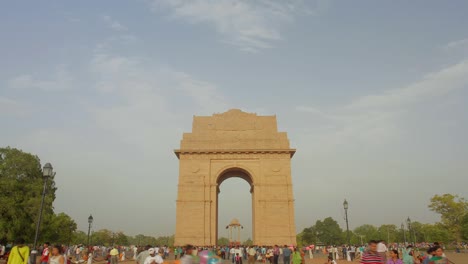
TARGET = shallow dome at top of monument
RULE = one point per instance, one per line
(235, 222)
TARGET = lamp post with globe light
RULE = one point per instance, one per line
(47, 172)
(90, 222)
(404, 232)
(345, 206)
(408, 222)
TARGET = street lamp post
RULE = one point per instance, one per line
(404, 231)
(361, 236)
(90, 222)
(345, 206)
(47, 172)
(408, 222)
(388, 234)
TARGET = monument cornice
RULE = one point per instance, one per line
(234, 151)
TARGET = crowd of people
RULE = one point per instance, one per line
(375, 252)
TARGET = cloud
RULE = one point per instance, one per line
(149, 96)
(462, 43)
(114, 24)
(60, 80)
(374, 119)
(432, 85)
(250, 25)
(11, 107)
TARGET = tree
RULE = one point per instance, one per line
(452, 209)
(328, 231)
(59, 229)
(308, 236)
(102, 237)
(464, 227)
(120, 239)
(366, 232)
(248, 242)
(388, 233)
(222, 241)
(79, 237)
(21, 184)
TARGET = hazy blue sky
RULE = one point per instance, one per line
(373, 94)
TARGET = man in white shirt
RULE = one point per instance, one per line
(382, 250)
(153, 258)
(232, 253)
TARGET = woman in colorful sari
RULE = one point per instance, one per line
(438, 257)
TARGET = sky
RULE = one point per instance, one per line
(373, 95)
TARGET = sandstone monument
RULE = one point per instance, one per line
(235, 144)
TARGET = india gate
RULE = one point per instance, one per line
(235, 144)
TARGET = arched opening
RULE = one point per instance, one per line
(235, 203)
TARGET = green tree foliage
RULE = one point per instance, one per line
(367, 232)
(248, 242)
(58, 229)
(120, 239)
(464, 227)
(21, 185)
(142, 240)
(102, 237)
(79, 237)
(327, 232)
(452, 209)
(389, 233)
(308, 236)
(222, 241)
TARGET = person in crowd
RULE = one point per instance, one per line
(2, 250)
(343, 252)
(330, 260)
(45, 253)
(19, 254)
(77, 253)
(153, 258)
(251, 252)
(187, 257)
(56, 257)
(438, 256)
(276, 253)
(408, 255)
(232, 254)
(135, 252)
(238, 252)
(298, 256)
(352, 252)
(382, 249)
(394, 257)
(140, 259)
(269, 255)
(428, 256)
(90, 256)
(286, 255)
(114, 256)
(238, 258)
(371, 256)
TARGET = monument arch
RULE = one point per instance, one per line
(235, 144)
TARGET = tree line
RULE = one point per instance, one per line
(21, 183)
(453, 227)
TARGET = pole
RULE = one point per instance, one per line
(388, 234)
(404, 232)
(89, 230)
(347, 226)
(38, 224)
